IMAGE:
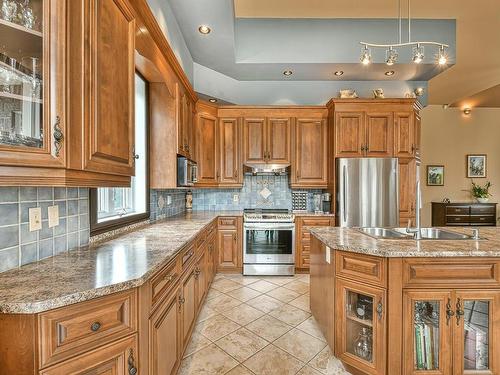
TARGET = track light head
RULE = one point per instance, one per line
(418, 54)
(366, 57)
(391, 56)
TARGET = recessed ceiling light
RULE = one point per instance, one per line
(338, 73)
(204, 29)
(212, 100)
(288, 72)
(467, 111)
(419, 91)
(390, 73)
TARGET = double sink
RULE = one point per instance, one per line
(427, 234)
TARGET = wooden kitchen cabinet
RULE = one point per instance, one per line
(407, 199)
(207, 150)
(303, 238)
(201, 277)
(165, 348)
(310, 161)
(349, 134)
(229, 244)
(360, 326)
(118, 358)
(278, 140)
(188, 304)
(185, 126)
(379, 134)
(405, 143)
(230, 140)
(254, 138)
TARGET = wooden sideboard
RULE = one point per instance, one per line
(464, 214)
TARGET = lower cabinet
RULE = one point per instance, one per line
(229, 244)
(360, 326)
(451, 332)
(164, 337)
(201, 277)
(119, 358)
(303, 238)
(188, 304)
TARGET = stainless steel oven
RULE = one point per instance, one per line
(268, 244)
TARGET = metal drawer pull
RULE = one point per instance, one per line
(132, 370)
(449, 312)
(95, 326)
(460, 311)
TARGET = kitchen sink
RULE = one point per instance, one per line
(427, 234)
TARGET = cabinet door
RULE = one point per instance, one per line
(201, 278)
(427, 332)
(254, 139)
(188, 308)
(110, 135)
(118, 358)
(303, 238)
(182, 120)
(477, 332)
(379, 134)
(228, 249)
(190, 130)
(278, 140)
(404, 135)
(32, 88)
(417, 131)
(165, 337)
(206, 130)
(407, 180)
(229, 141)
(310, 153)
(360, 326)
(349, 134)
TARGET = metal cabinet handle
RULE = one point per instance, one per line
(380, 309)
(132, 370)
(297, 173)
(170, 277)
(181, 300)
(95, 326)
(58, 136)
(236, 174)
(460, 311)
(449, 312)
(235, 237)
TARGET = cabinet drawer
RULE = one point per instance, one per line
(483, 210)
(454, 220)
(483, 219)
(457, 210)
(187, 256)
(356, 266)
(442, 273)
(164, 281)
(75, 329)
(228, 223)
(306, 236)
(315, 222)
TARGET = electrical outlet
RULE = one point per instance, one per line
(328, 255)
(53, 216)
(35, 217)
(236, 198)
(169, 200)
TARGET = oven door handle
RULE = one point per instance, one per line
(269, 226)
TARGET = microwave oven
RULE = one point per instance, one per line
(187, 172)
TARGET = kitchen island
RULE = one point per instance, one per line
(408, 307)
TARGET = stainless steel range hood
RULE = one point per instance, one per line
(266, 169)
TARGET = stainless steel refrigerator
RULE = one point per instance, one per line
(367, 192)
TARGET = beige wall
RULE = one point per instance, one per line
(447, 137)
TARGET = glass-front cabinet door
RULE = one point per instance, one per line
(360, 326)
(428, 319)
(31, 82)
(477, 333)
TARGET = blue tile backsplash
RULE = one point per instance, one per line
(249, 196)
(19, 246)
(159, 207)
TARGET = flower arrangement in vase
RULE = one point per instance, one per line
(481, 193)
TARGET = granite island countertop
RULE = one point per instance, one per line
(347, 239)
(123, 262)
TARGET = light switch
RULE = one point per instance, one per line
(35, 217)
(236, 198)
(53, 216)
(169, 200)
(327, 255)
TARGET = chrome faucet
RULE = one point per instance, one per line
(417, 231)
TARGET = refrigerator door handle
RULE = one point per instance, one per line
(344, 193)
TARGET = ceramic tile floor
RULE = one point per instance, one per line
(258, 326)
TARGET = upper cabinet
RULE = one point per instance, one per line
(229, 155)
(375, 128)
(267, 140)
(185, 132)
(206, 135)
(310, 146)
(32, 92)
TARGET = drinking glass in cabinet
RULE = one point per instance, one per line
(426, 327)
(359, 325)
(476, 330)
(21, 73)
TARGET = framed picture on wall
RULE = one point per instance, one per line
(476, 166)
(435, 175)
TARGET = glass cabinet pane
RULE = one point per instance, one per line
(359, 325)
(476, 335)
(21, 73)
(427, 333)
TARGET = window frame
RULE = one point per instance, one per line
(109, 225)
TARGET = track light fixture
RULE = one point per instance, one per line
(417, 46)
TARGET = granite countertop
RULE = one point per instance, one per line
(120, 263)
(351, 240)
(312, 213)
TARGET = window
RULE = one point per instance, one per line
(116, 207)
